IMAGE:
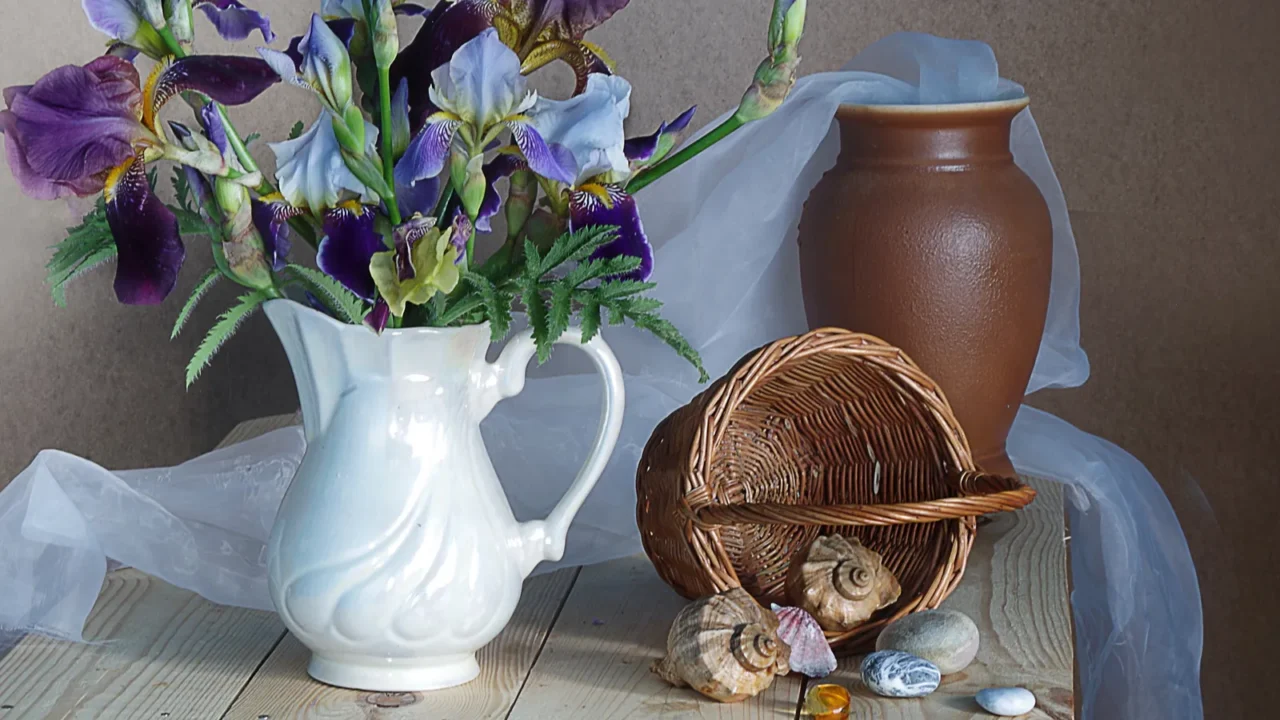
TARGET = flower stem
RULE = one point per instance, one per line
(388, 155)
(299, 225)
(648, 177)
(237, 144)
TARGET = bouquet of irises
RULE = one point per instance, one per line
(415, 152)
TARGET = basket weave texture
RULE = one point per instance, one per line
(828, 432)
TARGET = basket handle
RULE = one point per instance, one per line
(979, 494)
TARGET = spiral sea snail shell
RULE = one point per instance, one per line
(840, 582)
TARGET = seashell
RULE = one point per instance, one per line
(725, 646)
(897, 674)
(810, 652)
(840, 582)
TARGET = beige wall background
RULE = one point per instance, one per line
(1160, 118)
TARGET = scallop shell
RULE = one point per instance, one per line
(841, 583)
(810, 652)
(725, 646)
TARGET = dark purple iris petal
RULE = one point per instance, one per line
(410, 9)
(448, 27)
(228, 79)
(272, 223)
(234, 21)
(500, 167)
(149, 249)
(65, 132)
(586, 209)
(349, 244)
(379, 316)
(418, 197)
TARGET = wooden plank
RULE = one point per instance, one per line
(161, 652)
(1015, 589)
(596, 661)
(282, 689)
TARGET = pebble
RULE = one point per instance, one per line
(946, 638)
(1006, 701)
(892, 673)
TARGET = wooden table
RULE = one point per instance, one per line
(580, 646)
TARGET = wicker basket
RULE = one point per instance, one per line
(827, 432)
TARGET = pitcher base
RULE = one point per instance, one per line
(394, 674)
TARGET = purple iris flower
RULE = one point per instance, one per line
(480, 88)
(63, 134)
(79, 130)
(589, 127)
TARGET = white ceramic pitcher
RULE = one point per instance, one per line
(395, 555)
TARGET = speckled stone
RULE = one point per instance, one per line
(946, 638)
(1006, 701)
(892, 673)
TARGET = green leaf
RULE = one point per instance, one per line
(193, 223)
(622, 288)
(602, 268)
(497, 304)
(98, 257)
(667, 333)
(222, 330)
(560, 311)
(537, 311)
(182, 189)
(206, 282)
(86, 246)
(296, 131)
(251, 137)
(344, 304)
(590, 318)
(576, 246)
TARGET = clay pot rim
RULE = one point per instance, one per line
(993, 106)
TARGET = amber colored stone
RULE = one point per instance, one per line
(827, 702)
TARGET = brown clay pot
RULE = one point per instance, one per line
(927, 235)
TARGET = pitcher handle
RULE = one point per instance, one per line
(545, 539)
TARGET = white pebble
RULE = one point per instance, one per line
(1006, 702)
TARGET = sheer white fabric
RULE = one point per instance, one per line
(724, 230)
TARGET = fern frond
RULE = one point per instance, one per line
(98, 257)
(590, 318)
(602, 268)
(560, 311)
(202, 287)
(575, 246)
(667, 333)
(228, 323)
(342, 302)
(531, 296)
(497, 304)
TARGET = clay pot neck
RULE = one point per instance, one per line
(933, 135)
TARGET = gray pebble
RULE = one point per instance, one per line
(897, 674)
(946, 638)
(1006, 701)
